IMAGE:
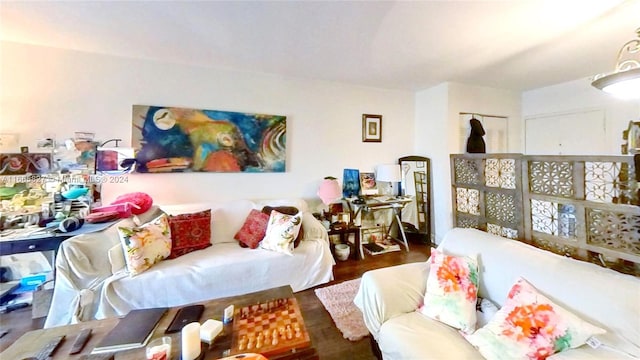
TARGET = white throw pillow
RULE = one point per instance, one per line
(282, 230)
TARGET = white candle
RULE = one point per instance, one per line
(190, 341)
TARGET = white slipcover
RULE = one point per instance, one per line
(388, 298)
(85, 287)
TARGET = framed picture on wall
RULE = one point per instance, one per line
(371, 128)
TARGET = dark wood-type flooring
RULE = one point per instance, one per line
(327, 339)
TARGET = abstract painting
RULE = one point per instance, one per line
(172, 139)
(77, 156)
(109, 159)
(25, 163)
(350, 182)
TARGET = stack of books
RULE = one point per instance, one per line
(381, 246)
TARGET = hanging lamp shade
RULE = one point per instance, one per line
(624, 82)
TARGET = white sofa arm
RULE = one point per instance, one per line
(313, 229)
(82, 266)
(388, 292)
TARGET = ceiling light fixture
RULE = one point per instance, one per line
(624, 82)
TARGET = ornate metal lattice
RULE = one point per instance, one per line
(502, 231)
(613, 230)
(500, 173)
(558, 248)
(468, 201)
(501, 207)
(610, 182)
(544, 217)
(468, 222)
(577, 206)
(551, 178)
(466, 172)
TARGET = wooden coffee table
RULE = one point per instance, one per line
(32, 341)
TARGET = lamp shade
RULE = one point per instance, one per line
(389, 172)
(329, 190)
(624, 82)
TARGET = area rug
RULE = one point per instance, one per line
(338, 300)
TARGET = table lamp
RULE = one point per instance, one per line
(329, 190)
(389, 173)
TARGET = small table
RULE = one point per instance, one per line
(32, 341)
(384, 203)
(344, 234)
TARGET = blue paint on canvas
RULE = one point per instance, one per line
(350, 182)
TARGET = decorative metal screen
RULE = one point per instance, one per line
(487, 196)
(585, 207)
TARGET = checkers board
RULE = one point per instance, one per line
(269, 328)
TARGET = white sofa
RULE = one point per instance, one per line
(388, 298)
(86, 286)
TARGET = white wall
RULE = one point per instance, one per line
(437, 133)
(578, 96)
(431, 141)
(52, 91)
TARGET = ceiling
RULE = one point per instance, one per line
(517, 44)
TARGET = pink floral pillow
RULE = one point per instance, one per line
(452, 288)
(146, 245)
(253, 229)
(530, 326)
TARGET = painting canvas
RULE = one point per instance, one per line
(171, 139)
(25, 163)
(79, 157)
(368, 183)
(109, 159)
(351, 183)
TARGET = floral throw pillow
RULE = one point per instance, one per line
(282, 230)
(146, 245)
(288, 210)
(253, 229)
(452, 289)
(530, 326)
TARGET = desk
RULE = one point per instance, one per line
(39, 239)
(384, 203)
(30, 342)
(43, 242)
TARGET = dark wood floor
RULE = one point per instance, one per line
(328, 339)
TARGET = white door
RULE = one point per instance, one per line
(576, 133)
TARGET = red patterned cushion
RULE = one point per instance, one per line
(190, 232)
(253, 229)
(287, 210)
